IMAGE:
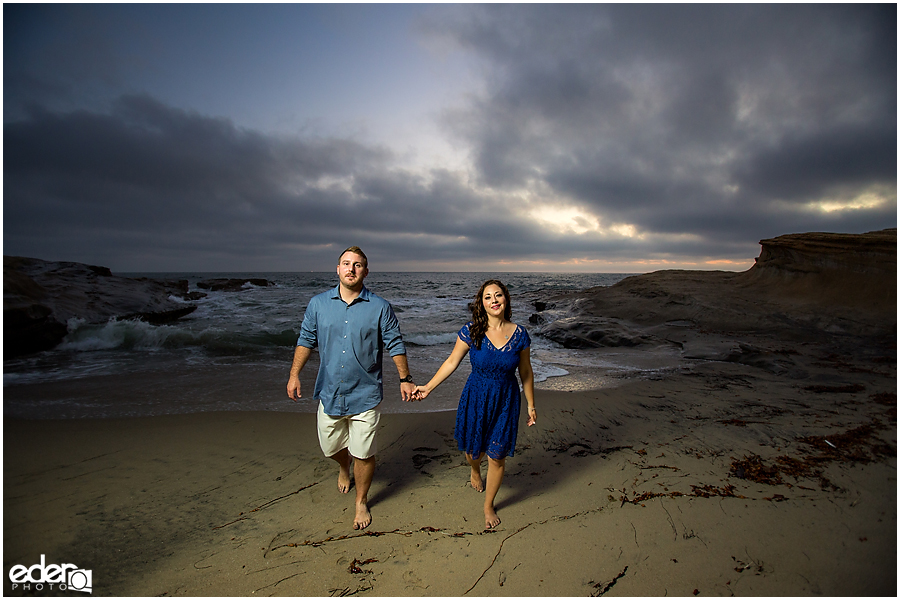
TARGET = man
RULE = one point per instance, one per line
(350, 325)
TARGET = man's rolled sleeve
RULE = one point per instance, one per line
(390, 333)
(308, 329)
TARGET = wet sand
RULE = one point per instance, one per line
(721, 479)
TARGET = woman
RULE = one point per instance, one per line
(487, 419)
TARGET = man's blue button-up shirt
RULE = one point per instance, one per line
(351, 339)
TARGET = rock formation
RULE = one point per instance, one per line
(854, 276)
(40, 297)
(802, 286)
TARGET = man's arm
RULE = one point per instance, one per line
(307, 340)
(407, 389)
(301, 355)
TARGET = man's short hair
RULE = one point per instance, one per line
(355, 250)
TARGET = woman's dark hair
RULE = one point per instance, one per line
(479, 315)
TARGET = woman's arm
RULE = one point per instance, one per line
(527, 375)
(459, 352)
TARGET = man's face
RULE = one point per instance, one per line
(352, 270)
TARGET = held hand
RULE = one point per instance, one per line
(408, 392)
(422, 392)
(532, 416)
(293, 389)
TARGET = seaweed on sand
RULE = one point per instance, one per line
(858, 445)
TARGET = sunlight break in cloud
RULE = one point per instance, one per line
(569, 219)
(864, 201)
(565, 219)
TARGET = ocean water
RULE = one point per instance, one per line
(234, 351)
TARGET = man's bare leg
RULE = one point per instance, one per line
(364, 471)
(343, 460)
(495, 472)
(475, 476)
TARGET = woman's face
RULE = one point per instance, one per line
(494, 301)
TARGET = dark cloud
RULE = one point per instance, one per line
(623, 132)
(155, 174)
(805, 165)
(148, 183)
(684, 118)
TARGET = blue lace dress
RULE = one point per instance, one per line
(487, 419)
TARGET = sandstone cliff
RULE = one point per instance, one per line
(802, 286)
(852, 276)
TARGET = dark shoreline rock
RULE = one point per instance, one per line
(231, 285)
(160, 317)
(590, 331)
(30, 329)
(39, 298)
(180, 288)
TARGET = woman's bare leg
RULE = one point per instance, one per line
(475, 476)
(494, 479)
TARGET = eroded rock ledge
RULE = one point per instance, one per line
(803, 286)
(39, 297)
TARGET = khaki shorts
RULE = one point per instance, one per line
(354, 432)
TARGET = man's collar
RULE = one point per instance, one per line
(363, 294)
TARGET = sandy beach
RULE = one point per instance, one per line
(767, 466)
(724, 480)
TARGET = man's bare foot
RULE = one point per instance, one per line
(363, 517)
(491, 519)
(476, 481)
(344, 480)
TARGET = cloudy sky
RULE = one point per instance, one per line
(610, 138)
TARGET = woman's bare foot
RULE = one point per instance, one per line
(363, 517)
(476, 481)
(491, 519)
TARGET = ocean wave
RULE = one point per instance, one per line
(429, 339)
(137, 335)
(543, 372)
(132, 335)
(259, 326)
